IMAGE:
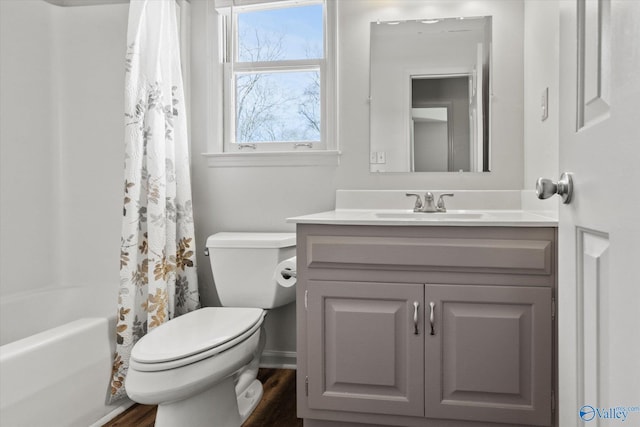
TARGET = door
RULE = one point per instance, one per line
(599, 231)
(489, 355)
(365, 347)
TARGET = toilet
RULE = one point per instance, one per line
(200, 368)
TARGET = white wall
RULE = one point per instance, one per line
(62, 74)
(91, 43)
(28, 147)
(541, 71)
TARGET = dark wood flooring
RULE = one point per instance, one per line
(276, 409)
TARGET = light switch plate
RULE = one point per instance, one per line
(544, 104)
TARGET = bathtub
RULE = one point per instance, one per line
(55, 358)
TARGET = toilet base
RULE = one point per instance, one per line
(249, 399)
(216, 407)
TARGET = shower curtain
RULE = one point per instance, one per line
(157, 259)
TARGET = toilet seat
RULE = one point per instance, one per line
(195, 336)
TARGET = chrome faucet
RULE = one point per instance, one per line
(417, 207)
(440, 205)
(429, 205)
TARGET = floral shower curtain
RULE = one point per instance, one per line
(157, 260)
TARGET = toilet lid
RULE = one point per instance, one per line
(195, 332)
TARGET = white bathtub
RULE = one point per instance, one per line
(55, 360)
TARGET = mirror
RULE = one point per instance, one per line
(429, 95)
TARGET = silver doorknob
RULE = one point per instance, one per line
(546, 188)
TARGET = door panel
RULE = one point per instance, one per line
(592, 297)
(493, 344)
(364, 355)
(599, 232)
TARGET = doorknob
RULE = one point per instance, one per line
(546, 188)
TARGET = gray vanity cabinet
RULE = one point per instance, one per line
(371, 349)
(363, 353)
(490, 358)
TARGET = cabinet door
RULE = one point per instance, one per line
(490, 356)
(364, 354)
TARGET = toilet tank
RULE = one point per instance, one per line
(244, 268)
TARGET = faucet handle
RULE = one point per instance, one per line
(440, 204)
(418, 204)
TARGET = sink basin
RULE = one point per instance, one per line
(429, 216)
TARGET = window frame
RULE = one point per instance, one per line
(323, 151)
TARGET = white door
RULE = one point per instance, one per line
(599, 231)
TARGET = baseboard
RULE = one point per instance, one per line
(278, 359)
(126, 404)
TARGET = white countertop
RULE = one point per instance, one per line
(406, 217)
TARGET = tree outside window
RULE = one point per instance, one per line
(277, 74)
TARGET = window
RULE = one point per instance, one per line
(278, 83)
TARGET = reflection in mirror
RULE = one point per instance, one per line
(430, 95)
(441, 146)
(431, 139)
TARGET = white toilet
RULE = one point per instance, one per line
(200, 368)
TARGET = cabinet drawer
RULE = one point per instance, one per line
(461, 254)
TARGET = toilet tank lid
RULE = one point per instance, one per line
(251, 240)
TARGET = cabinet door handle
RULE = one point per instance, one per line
(415, 317)
(432, 306)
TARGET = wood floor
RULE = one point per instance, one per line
(276, 409)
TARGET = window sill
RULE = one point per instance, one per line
(273, 158)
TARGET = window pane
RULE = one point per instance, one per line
(278, 107)
(280, 34)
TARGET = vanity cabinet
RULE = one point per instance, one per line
(363, 353)
(490, 356)
(419, 326)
